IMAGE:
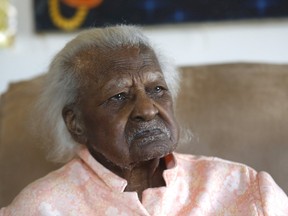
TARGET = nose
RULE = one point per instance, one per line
(144, 108)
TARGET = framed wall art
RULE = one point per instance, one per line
(69, 15)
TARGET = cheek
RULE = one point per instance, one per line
(105, 130)
(166, 110)
(175, 131)
(106, 133)
(168, 116)
(174, 128)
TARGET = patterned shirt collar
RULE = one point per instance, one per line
(115, 182)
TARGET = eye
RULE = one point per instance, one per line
(158, 89)
(119, 97)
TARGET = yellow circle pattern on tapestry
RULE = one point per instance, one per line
(68, 24)
(79, 3)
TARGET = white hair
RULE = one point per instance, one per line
(61, 82)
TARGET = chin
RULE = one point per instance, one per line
(152, 150)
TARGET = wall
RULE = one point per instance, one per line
(189, 44)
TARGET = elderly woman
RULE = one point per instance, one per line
(109, 101)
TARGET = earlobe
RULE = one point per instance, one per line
(74, 125)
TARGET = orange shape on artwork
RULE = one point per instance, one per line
(81, 3)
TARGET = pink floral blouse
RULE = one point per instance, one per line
(194, 186)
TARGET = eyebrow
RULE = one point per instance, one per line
(124, 82)
(153, 76)
(117, 83)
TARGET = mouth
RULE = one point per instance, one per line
(147, 136)
(147, 133)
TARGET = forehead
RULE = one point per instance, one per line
(102, 64)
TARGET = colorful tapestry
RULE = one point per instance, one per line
(69, 15)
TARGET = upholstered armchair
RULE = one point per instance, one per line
(237, 112)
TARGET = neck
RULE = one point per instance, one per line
(143, 175)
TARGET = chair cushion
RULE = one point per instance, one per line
(238, 112)
(235, 111)
(22, 160)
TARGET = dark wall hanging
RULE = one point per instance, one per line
(68, 15)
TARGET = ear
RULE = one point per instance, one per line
(74, 124)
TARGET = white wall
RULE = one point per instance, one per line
(189, 44)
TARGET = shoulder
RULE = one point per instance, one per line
(40, 196)
(273, 198)
(226, 177)
(215, 174)
(213, 164)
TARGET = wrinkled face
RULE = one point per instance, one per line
(126, 109)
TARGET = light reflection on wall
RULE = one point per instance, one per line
(7, 23)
